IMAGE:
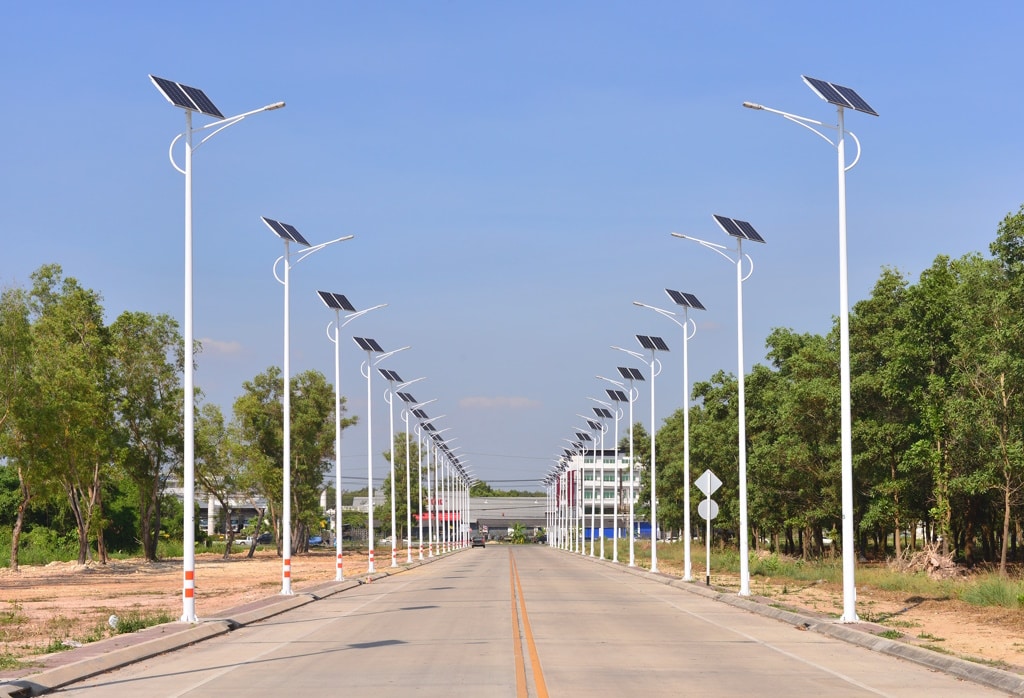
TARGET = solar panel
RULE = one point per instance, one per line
(186, 97)
(617, 395)
(419, 414)
(596, 426)
(582, 436)
(285, 231)
(603, 412)
(685, 299)
(429, 427)
(336, 301)
(406, 397)
(367, 344)
(652, 343)
(839, 95)
(738, 229)
(631, 373)
(390, 375)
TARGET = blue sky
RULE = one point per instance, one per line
(511, 172)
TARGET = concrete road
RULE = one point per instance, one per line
(519, 621)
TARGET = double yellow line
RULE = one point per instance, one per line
(520, 631)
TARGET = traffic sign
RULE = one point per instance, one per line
(708, 509)
(707, 483)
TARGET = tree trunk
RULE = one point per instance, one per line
(19, 522)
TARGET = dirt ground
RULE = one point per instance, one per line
(43, 607)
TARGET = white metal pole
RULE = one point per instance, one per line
(618, 480)
(849, 545)
(389, 397)
(654, 476)
(687, 562)
(340, 572)
(632, 494)
(593, 493)
(188, 614)
(744, 561)
(408, 493)
(601, 491)
(419, 490)
(286, 506)
(369, 462)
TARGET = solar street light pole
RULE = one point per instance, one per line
(406, 412)
(618, 397)
(631, 375)
(604, 412)
(288, 234)
(842, 98)
(389, 397)
(337, 303)
(689, 328)
(733, 228)
(192, 100)
(367, 370)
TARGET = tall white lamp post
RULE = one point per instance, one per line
(192, 100)
(371, 347)
(689, 327)
(415, 410)
(741, 230)
(632, 375)
(338, 303)
(289, 234)
(389, 397)
(842, 98)
(597, 428)
(604, 412)
(654, 345)
(617, 396)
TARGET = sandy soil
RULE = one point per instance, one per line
(40, 607)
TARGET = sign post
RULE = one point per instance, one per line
(707, 483)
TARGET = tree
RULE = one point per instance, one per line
(15, 387)
(73, 419)
(146, 362)
(259, 416)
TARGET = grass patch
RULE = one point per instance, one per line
(929, 636)
(994, 590)
(9, 661)
(132, 622)
(891, 634)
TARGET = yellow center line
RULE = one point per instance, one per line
(517, 643)
(538, 672)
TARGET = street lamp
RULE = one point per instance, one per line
(631, 374)
(572, 478)
(595, 427)
(289, 234)
(191, 100)
(337, 303)
(654, 345)
(415, 410)
(432, 528)
(842, 98)
(689, 327)
(741, 230)
(389, 397)
(617, 396)
(604, 413)
(371, 347)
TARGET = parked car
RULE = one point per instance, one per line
(316, 540)
(478, 541)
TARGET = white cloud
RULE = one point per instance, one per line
(216, 347)
(501, 402)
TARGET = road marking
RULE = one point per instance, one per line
(521, 619)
